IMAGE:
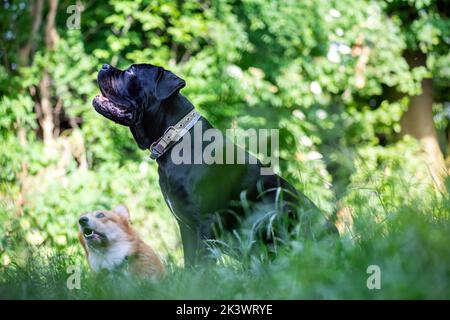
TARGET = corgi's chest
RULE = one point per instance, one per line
(109, 258)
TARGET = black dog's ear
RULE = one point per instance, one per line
(167, 83)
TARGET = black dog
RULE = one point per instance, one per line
(146, 98)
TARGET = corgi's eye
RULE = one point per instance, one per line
(100, 215)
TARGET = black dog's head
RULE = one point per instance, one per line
(128, 95)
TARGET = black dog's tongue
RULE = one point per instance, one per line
(108, 109)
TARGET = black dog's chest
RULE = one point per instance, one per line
(177, 191)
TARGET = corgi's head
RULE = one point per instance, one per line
(103, 228)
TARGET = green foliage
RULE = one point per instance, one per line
(333, 76)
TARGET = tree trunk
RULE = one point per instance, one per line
(25, 52)
(36, 17)
(36, 8)
(46, 120)
(47, 115)
(51, 36)
(417, 121)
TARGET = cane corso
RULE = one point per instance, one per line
(203, 197)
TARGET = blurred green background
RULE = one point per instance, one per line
(359, 90)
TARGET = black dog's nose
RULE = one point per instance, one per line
(83, 221)
(105, 66)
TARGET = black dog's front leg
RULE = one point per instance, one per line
(194, 244)
(190, 241)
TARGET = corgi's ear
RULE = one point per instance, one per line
(123, 211)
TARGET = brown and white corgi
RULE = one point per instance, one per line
(110, 243)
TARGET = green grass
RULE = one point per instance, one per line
(410, 245)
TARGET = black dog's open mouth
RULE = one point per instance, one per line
(113, 110)
(90, 234)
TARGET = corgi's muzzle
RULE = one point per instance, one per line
(89, 233)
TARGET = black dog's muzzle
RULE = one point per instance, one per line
(109, 104)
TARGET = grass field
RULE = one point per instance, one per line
(410, 245)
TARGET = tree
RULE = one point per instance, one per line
(426, 29)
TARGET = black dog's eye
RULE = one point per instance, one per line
(100, 215)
